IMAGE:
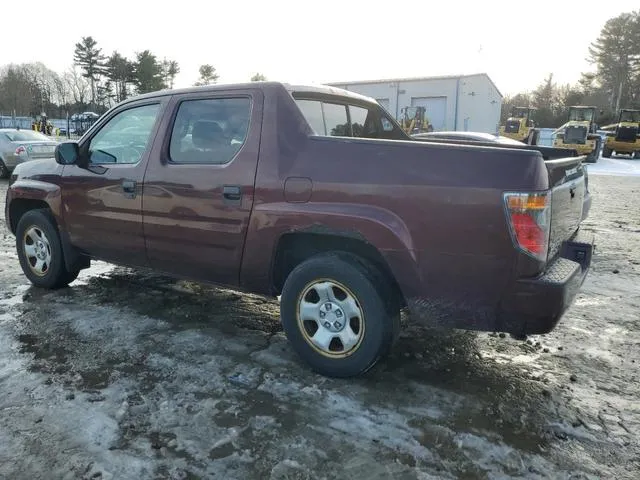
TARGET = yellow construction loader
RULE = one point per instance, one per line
(414, 120)
(623, 137)
(521, 126)
(579, 133)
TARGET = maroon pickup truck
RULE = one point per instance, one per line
(315, 195)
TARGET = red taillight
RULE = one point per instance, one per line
(20, 150)
(529, 217)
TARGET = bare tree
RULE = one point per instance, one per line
(78, 86)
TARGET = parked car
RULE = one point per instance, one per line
(315, 195)
(487, 139)
(467, 136)
(18, 146)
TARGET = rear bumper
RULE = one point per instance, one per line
(581, 148)
(535, 305)
(622, 147)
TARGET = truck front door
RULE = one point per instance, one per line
(199, 186)
(103, 202)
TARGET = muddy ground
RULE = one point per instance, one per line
(128, 375)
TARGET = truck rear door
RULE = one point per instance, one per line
(199, 184)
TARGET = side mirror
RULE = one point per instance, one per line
(67, 153)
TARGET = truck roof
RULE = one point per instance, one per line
(317, 89)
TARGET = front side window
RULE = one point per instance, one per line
(210, 131)
(125, 137)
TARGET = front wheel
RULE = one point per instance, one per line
(40, 251)
(334, 313)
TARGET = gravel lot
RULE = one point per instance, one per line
(130, 375)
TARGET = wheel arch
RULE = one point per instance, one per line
(28, 195)
(293, 248)
(368, 230)
(19, 206)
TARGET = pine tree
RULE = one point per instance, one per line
(148, 73)
(89, 58)
(616, 54)
(120, 71)
(208, 75)
(258, 77)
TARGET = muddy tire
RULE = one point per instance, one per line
(4, 171)
(337, 313)
(606, 152)
(40, 251)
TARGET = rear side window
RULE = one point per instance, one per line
(340, 120)
(210, 131)
(335, 120)
(312, 111)
(358, 120)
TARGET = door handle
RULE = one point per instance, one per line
(129, 187)
(232, 194)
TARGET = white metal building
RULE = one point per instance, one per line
(463, 102)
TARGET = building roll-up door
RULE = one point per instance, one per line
(436, 110)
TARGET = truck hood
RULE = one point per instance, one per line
(36, 169)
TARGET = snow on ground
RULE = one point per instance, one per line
(131, 375)
(617, 165)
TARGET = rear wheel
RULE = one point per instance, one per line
(40, 251)
(606, 152)
(4, 171)
(336, 312)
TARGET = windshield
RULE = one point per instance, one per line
(520, 112)
(630, 116)
(581, 115)
(26, 136)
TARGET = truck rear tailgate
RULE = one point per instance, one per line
(567, 179)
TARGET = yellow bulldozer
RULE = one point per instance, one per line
(579, 133)
(520, 126)
(623, 137)
(414, 120)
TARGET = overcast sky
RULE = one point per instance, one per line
(516, 43)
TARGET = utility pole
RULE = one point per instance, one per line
(619, 99)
